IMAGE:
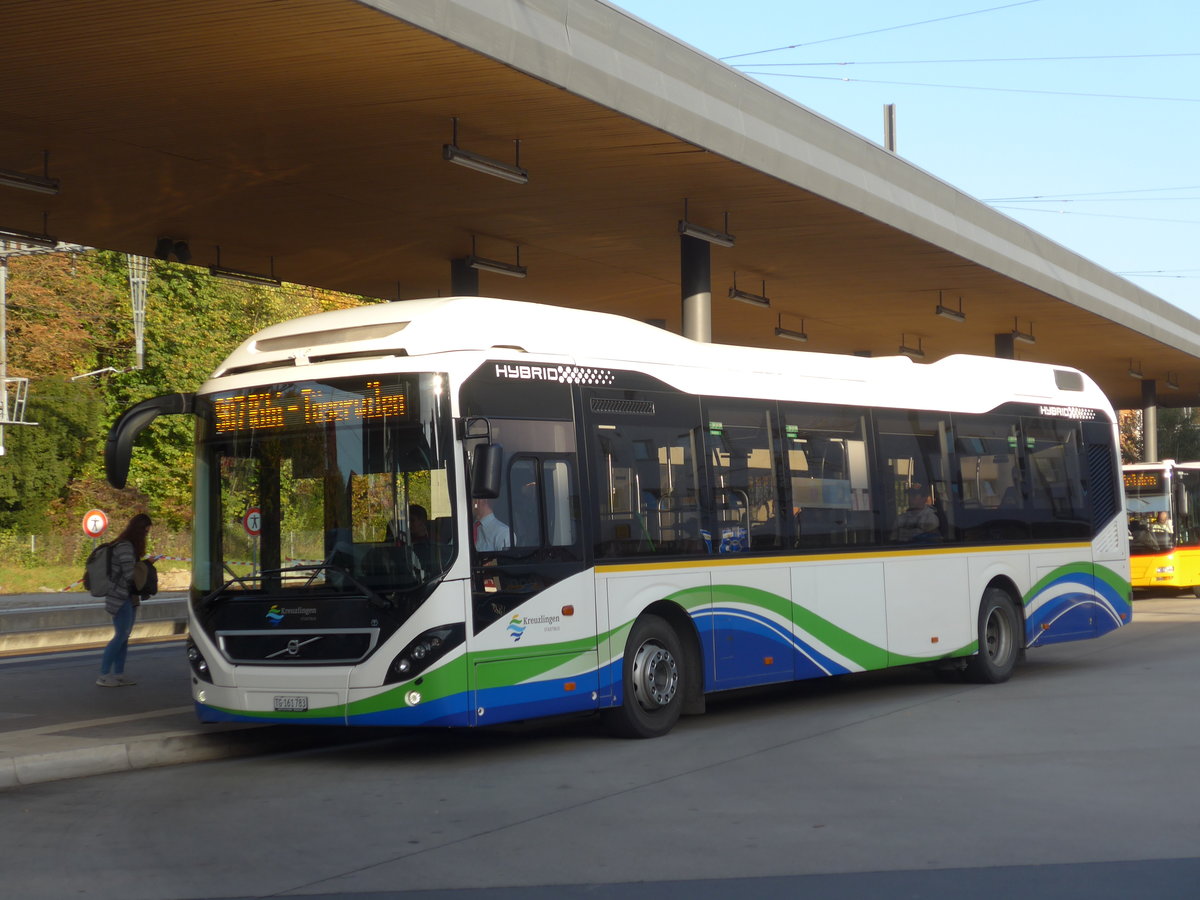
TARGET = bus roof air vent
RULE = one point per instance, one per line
(1065, 380)
(330, 336)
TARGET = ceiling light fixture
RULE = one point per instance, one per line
(1172, 381)
(1025, 337)
(220, 271)
(1135, 373)
(499, 267)
(453, 153)
(747, 297)
(791, 334)
(483, 264)
(917, 352)
(691, 229)
(42, 184)
(946, 312)
(245, 277)
(27, 238)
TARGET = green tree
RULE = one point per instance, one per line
(1178, 434)
(70, 314)
(42, 459)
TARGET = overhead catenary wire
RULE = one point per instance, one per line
(995, 59)
(844, 37)
(973, 87)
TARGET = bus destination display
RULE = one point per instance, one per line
(1145, 482)
(309, 404)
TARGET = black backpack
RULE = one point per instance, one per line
(97, 574)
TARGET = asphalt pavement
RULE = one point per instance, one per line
(57, 723)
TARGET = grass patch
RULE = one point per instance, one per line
(40, 579)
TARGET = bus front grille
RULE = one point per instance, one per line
(331, 645)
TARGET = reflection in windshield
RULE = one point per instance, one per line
(340, 485)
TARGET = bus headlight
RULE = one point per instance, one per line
(423, 651)
(197, 661)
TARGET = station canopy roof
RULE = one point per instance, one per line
(305, 137)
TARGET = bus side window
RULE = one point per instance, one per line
(1053, 452)
(828, 473)
(991, 490)
(743, 461)
(914, 453)
(544, 505)
(646, 474)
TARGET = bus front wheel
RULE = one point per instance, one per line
(653, 681)
(999, 639)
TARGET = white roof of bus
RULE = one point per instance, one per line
(511, 329)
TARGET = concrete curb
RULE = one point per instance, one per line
(173, 748)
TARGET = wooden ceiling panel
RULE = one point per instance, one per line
(307, 135)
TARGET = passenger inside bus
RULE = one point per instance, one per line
(419, 536)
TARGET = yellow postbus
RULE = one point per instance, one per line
(1163, 504)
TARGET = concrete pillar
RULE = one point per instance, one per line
(1004, 347)
(1149, 420)
(464, 281)
(695, 280)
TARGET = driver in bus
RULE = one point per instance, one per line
(918, 522)
(488, 532)
(1160, 530)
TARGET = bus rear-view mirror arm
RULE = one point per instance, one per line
(119, 448)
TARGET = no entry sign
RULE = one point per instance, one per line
(95, 523)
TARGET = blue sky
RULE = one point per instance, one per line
(1109, 146)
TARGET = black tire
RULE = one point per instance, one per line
(653, 677)
(1000, 639)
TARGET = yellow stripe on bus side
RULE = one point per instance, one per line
(827, 557)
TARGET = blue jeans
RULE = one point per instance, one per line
(113, 661)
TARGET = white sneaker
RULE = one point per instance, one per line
(108, 681)
(123, 680)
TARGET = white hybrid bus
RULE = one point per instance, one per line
(466, 511)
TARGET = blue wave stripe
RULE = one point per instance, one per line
(445, 711)
(1094, 607)
(538, 698)
(806, 657)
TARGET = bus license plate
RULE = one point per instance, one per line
(291, 703)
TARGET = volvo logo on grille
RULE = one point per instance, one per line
(293, 647)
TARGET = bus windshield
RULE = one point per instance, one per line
(340, 485)
(1148, 501)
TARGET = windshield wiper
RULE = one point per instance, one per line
(317, 568)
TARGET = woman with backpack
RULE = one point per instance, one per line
(122, 599)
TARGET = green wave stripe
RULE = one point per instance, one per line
(862, 653)
(1105, 574)
(436, 684)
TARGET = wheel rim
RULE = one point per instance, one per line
(998, 635)
(655, 676)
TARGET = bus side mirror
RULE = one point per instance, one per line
(486, 465)
(119, 447)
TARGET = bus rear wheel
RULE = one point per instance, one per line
(653, 680)
(999, 639)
